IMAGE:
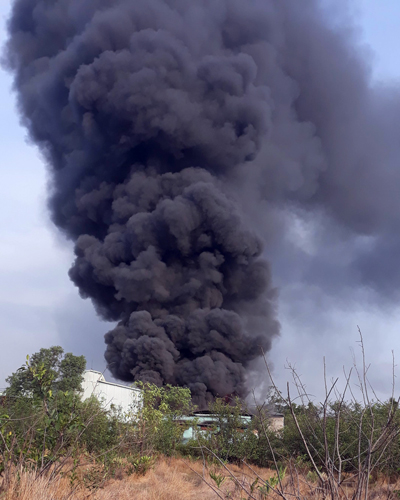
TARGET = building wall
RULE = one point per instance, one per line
(205, 422)
(127, 399)
(276, 423)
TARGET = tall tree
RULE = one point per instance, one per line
(62, 372)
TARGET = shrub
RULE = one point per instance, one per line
(159, 421)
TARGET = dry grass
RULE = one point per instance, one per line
(170, 479)
(173, 479)
(26, 486)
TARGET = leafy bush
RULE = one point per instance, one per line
(230, 437)
(142, 464)
(159, 421)
(42, 425)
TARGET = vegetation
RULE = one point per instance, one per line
(158, 421)
(46, 428)
(340, 448)
(47, 370)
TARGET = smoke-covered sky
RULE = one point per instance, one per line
(322, 294)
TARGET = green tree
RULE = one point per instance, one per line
(159, 421)
(43, 415)
(47, 370)
(231, 437)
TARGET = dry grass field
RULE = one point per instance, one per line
(174, 479)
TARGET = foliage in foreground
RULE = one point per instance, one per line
(46, 428)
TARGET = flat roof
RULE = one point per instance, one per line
(104, 381)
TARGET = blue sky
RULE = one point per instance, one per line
(379, 22)
(40, 307)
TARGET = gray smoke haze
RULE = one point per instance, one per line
(179, 135)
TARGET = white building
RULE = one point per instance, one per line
(127, 399)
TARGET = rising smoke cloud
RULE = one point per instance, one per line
(162, 122)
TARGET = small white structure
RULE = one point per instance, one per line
(127, 399)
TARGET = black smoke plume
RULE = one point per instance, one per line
(165, 123)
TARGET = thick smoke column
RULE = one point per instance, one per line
(143, 113)
(160, 120)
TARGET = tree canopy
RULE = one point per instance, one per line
(63, 372)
